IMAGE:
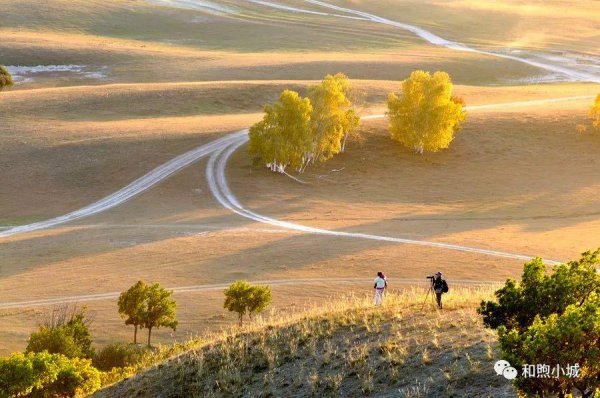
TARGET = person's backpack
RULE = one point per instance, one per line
(444, 287)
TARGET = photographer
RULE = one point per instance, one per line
(439, 287)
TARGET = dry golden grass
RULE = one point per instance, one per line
(162, 63)
(562, 23)
(81, 135)
(559, 24)
(63, 148)
(178, 226)
(261, 43)
(513, 180)
(342, 347)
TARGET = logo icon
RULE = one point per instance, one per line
(503, 368)
(510, 373)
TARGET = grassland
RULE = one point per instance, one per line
(120, 40)
(86, 142)
(488, 23)
(567, 25)
(520, 180)
(345, 347)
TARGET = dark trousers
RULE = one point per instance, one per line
(438, 297)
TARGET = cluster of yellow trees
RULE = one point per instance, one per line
(426, 116)
(296, 132)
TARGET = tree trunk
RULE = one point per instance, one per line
(135, 334)
(344, 143)
(241, 320)
(149, 336)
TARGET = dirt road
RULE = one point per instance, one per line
(222, 286)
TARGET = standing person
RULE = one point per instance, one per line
(440, 287)
(380, 286)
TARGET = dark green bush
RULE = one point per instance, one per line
(542, 294)
(551, 319)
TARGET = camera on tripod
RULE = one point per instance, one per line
(430, 277)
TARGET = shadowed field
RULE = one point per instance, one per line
(473, 194)
(157, 81)
(119, 41)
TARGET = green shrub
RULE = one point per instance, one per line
(244, 299)
(47, 375)
(118, 355)
(541, 294)
(554, 320)
(71, 338)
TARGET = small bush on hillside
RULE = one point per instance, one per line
(426, 116)
(68, 335)
(552, 320)
(5, 78)
(118, 355)
(47, 375)
(244, 299)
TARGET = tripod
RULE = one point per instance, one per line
(430, 290)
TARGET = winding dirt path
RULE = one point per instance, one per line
(140, 185)
(570, 73)
(220, 150)
(217, 181)
(179, 163)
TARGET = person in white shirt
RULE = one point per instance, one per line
(380, 286)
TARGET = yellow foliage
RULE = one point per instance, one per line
(426, 116)
(284, 136)
(298, 131)
(595, 113)
(332, 118)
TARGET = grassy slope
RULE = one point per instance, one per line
(92, 130)
(259, 43)
(107, 139)
(489, 23)
(55, 161)
(244, 31)
(343, 348)
(121, 60)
